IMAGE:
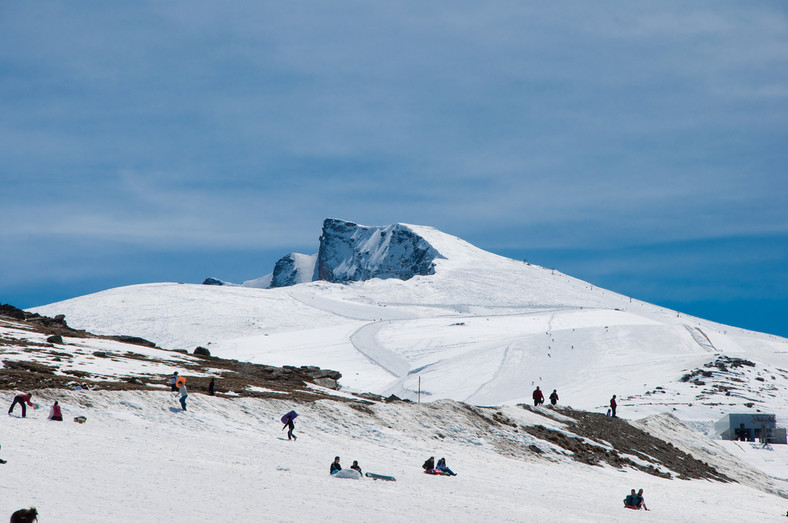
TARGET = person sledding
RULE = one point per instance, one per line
(22, 399)
(635, 501)
(429, 465)
(442, 468)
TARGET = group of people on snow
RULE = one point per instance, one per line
(635, 500)
(26, 398)
(336, 467)
(441, 469)
(539, 397)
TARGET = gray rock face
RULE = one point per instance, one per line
(351, 252)
(293, 268)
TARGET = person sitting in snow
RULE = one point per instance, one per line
(538, 396)
(54, 413)
(356, 467)
(21, 399)
(640, 501)
(429, 465)
(629, 501)
(443, 469)
(335, 466)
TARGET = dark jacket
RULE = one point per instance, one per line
(335, 467)
(429, 464)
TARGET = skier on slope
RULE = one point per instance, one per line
(554, 397)
(538, 396)
(21, 399)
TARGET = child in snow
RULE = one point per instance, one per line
(54, 412)
(443, 469)
(25, 515)
(184, 394)
(429, 465)
(335, 466)
(21, 399)
(173, 378)
(554, 397)
(356, 467)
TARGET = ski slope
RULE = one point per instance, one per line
(483, 329)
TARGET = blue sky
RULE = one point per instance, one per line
(638, 145)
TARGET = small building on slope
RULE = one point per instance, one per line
(750, 427)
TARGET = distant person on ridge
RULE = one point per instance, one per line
(538, 396)
(613, 406)
(554, 397)
(335, 466)
(212, 388)
(54, 412)
(21, 399)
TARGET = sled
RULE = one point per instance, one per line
(290, 415)
(80, 419)
(347, 474)
(436, 472)
(380, 476)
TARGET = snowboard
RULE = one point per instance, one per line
(380, 476)
(347, 474)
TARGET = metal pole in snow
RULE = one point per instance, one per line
(418, 398)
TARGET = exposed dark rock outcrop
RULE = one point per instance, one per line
(351, 252)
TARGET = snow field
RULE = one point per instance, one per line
(139, 458)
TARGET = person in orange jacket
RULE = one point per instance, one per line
(21, 399)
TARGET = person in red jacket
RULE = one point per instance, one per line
(613, 405)
(538, 397)
(54, 413)
(21, 399)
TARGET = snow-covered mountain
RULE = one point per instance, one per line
(420, 312)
